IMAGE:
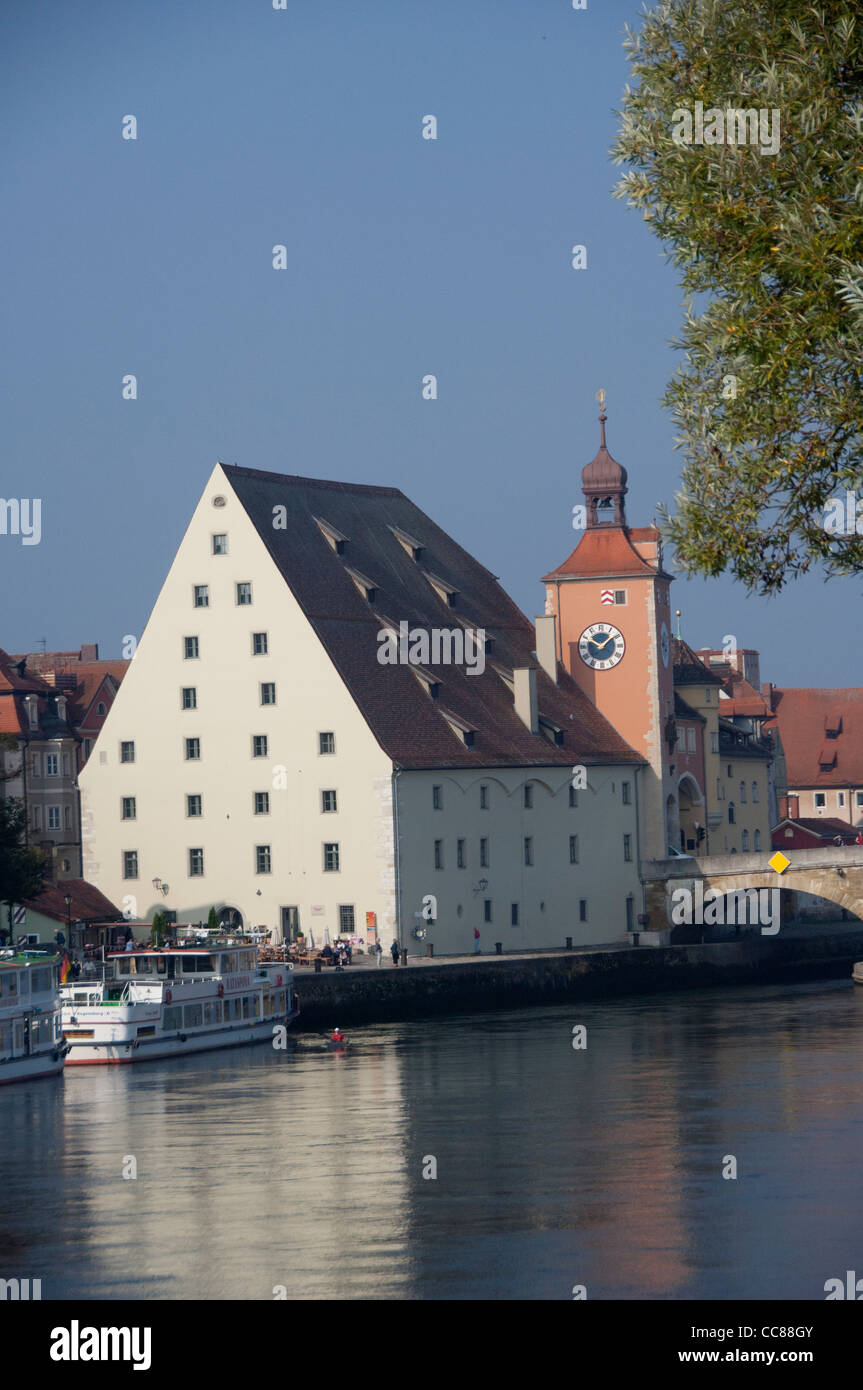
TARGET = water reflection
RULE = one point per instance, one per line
(555, 1167)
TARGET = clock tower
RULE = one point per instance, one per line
(610, 600)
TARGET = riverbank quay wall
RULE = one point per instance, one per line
(360, 995)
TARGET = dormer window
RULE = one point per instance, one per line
(429, 682)
(444, 591)
(553, 732)
(832, 725)
(331, 535)
(408, 543)
(364, 586)
(460, 728)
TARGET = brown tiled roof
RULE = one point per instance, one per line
(821, 827)
(406, 722)
(88, 904)
(689, 669)
(605, 551)
(802, 717)
(90, 677)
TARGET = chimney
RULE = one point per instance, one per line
(524, 689)
(789, 807)
(89, 651)
(546, 645)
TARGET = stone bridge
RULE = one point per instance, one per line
(819, 884)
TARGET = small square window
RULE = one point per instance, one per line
(461, 862)
(582, 909)
(196, 863)
(260, 744)
(127, 752)
(262, 859)
(625, 793)
(262, 803)
(52, 765)
(437, 798)
(259, 644)
(438, 854)
(53, 817)
(528, 850)
(244, 595)
(483, 853)
(189, 697)
(193, 749)
(130, 863)
(347, 920)
(820, 799)
(190, 648)
(202, 596)
(483, 797)
(573, 849)
(220, 545)
(486, 910)
(528, 797)
(858, 798)
(513, 914)
(329, 801)
(331, 858)
(268, 692)
(627, 848)
(193, 805)
(619, 596)
(327, 743)
(129, 809)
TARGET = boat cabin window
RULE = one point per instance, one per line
(8, 984)
(197, 965)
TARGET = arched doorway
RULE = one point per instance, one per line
(692, 815)
(230, 919)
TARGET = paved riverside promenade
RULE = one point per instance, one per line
(366, 993)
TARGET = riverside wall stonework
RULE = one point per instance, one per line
(360, 995)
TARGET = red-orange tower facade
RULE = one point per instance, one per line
(611, 602)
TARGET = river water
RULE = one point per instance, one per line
(262, 1171)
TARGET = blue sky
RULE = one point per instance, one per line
(406, 256)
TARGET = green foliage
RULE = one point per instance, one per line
(772, 248)
(22, 870)
(212, 920)
(158, 928)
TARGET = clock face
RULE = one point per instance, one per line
(664, 644)
(601, 646)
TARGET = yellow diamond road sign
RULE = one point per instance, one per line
(779, 862)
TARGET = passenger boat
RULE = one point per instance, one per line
(857, 973)
(31, 1037)
(167, 1002)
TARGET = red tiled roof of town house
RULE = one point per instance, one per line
(804, 718)
(743, 700)
(90, 677)
(811, 831)
(605, 551)
(408, 724)
(88, 904)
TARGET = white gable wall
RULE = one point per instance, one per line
(310, 698)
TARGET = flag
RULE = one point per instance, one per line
(65, 969)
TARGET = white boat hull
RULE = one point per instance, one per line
(29, 1068)
(172, 1044)
(857, 973)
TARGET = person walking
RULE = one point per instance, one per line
(476, 949)
(379, 952)
(394, 952)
